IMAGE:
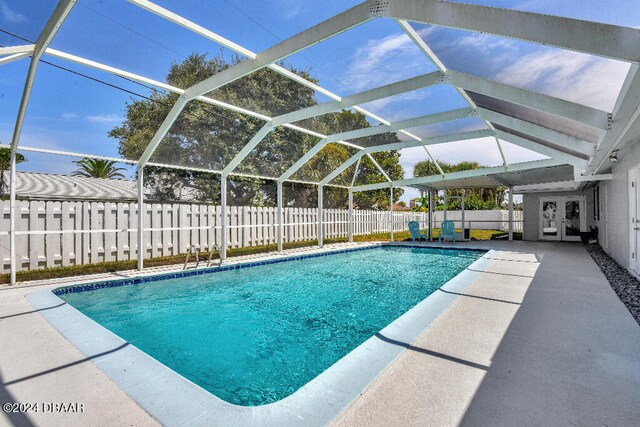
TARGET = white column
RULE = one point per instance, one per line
(141, 211)
(12, 217)
(430, 215)
(320, 219)
(445, 204)
(511, 213)
(462, 203)
(280, 229)
(350, 216)
(223, 217)
(391, 211)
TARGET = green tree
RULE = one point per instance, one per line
(5, 164)
(97, 168)
(475, 198)
(207, 136)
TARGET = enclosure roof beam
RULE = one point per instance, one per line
(376, 130)
(474, 134)
(12, 50)
(396, 88)
(52, 26)
(344, 166)
(170, 88)
(574, 159)
(262, 133)
(337, 24)
(610, 41)
(546, 103)
(402, 124)
(216, 38)
(559, 138)
(367, 96)
(14, 57)
(425, 180)
(355, 172)
(71, 154)
(407, 144)
(377, 165)
(303, 160)
(162, 165)
(430, 54)
(192, 26)
(326, 29)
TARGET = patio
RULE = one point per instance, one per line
(538, 346)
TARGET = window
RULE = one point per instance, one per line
(596, 203)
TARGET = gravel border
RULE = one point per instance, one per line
(623, 283)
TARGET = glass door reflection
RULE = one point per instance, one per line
(572, 224)
(549, 218)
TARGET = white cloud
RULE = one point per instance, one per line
(11, 15)
(479, 54)
(69, 116)
(483, 43)
(482, 150)
(104, 118)
(289, 9)
(385, 60)
(409, 157)
(398, 101)
(570, 75)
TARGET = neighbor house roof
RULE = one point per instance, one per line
(47, 186)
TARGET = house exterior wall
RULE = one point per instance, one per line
(530, 206)
(614, 220)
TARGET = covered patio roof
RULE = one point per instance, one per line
(515, 179)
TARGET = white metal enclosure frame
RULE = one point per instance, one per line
(587, 157)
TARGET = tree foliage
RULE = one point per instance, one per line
(97, 168)
(5, 164)
(207, 136)
(475, 198)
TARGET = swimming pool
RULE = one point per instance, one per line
(255, 335)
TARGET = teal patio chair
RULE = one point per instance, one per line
(414, 229)
(448, 231)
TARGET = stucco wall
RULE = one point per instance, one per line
(618, 239)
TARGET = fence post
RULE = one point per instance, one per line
(430, 215)
(511, 213)
(141, 212)
(445, 204)
(12, 217)
(320, 224)
(391, 210)
(350, 215)
(462, 203)
(223, 217)
(280, 217)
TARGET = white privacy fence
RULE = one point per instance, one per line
(53, 233)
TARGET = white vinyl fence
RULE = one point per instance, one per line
(53, 233)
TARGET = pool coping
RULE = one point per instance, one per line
(174, 400)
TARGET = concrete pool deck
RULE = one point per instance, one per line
(537, 337)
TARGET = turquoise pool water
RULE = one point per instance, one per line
(255, 335)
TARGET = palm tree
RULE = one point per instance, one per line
(96, 168)
(5, 163)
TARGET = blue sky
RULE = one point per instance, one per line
(68, 112)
